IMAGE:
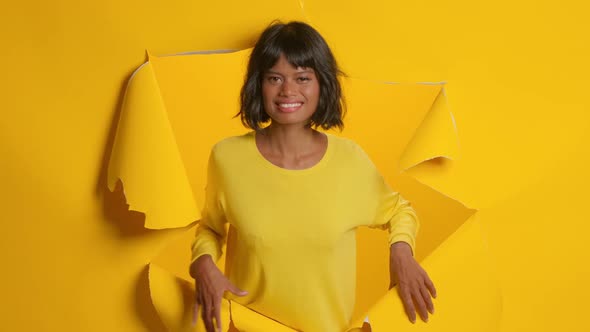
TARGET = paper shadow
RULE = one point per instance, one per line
(115, 208)
(116, 212)
(143, 304)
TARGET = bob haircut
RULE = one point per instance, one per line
(304, 47)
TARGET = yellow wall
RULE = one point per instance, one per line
(517, 80)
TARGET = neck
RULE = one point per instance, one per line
(290, 140)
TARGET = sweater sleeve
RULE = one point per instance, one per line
(211, 231)
(393, 212)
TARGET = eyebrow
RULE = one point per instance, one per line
(307, 70)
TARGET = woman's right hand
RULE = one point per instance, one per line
(210, 284)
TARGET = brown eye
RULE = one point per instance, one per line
(273, 79)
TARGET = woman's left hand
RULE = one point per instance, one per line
(414, 286)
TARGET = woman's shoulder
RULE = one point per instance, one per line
(348, 145)
(349, 151)
(232, 144)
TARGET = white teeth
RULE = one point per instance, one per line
(290, 105)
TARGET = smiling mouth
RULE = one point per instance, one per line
(289, 107)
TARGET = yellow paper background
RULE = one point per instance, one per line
(516, 78)
(189, 95)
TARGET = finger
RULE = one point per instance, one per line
(430, 285)
(420, 305)
(206, 313)
(217, 311)
(408, 303)
(207, 322)
(195, 312)
(196, 306)
(427, 300)
(235, 290)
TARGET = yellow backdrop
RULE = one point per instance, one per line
(515, 81)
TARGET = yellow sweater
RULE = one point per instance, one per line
(291, 243)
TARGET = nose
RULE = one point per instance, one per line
(288, 88)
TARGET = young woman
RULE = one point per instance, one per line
(294, 196)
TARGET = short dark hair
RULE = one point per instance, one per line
(302, 46)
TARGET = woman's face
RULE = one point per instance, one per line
(290, 95)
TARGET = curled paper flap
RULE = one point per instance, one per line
(172, 298)
(146, 160)
(435, 138)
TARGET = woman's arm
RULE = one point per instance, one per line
(210, 282)
(211, 232)
(414, 286)
(210, 285)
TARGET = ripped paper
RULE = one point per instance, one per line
(177, 107)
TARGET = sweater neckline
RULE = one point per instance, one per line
(266, 163)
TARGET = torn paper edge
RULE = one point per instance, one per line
(443, 92)
(129, 201)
